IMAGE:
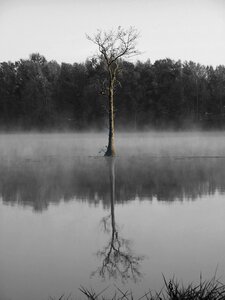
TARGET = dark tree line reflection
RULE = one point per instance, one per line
(117, 258)
(38, 183)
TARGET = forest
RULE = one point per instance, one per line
(36, 94)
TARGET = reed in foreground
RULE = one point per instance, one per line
(172, 290)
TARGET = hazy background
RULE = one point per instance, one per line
(178, 29)
(49, 80)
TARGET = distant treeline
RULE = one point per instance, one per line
(40, 94)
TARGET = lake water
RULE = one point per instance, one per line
(70, 217)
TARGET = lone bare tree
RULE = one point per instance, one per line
(112, 46)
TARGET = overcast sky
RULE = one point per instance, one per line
(178, 29)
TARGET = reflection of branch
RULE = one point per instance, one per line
(117, 257)
(118, 260)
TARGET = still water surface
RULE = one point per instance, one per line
(71, 218)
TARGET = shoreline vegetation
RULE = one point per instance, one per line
(37, 94)
(212, 289)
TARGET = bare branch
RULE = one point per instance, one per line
(115, 44)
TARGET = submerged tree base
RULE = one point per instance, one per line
(110, 152)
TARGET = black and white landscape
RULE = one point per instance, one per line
(112, 149)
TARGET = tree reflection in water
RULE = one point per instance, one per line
(39, 182)
(118, 259)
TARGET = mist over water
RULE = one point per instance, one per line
(153, 143)
(63, 205)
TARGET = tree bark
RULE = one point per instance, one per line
(111, 142)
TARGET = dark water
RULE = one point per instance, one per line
(71, 218)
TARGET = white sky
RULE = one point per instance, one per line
(177, 29)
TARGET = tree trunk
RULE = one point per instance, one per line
(111, 146)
